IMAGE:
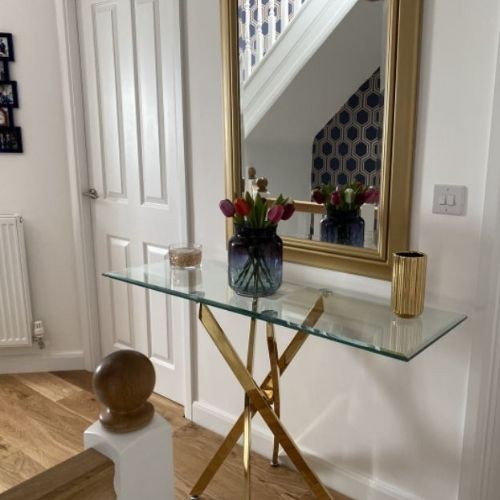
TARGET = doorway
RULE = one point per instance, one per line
(133, 191)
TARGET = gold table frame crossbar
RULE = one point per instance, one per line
(263, 399)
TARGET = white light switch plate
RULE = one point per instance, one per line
(449, 200)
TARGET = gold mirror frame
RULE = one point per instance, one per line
(402, 63)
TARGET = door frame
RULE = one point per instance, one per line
(72, 96)
(85, 269)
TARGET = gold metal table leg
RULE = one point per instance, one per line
(259, 401)
(275, 381)
(247, 427)
(234, 434)
(236, 431)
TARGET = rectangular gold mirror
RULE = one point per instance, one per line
(320, 100)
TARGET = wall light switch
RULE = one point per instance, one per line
(449, 200)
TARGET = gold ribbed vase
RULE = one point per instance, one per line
(408, 283)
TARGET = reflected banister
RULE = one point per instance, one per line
(247, 54)
(284, 14)
(259, 35)
(271, 22)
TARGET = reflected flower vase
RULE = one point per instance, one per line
(343, 228)
(255, 261)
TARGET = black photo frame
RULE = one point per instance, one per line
(6, 47)
(4, 71)
(6, 117)
(11, 140)
(8, 98)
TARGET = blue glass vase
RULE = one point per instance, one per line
(343, 228)
(255, 261)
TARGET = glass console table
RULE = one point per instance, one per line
(362, 322)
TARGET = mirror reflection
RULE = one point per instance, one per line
(312, 101)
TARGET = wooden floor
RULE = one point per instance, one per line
(43, 416)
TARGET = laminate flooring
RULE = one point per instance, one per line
(43, 416)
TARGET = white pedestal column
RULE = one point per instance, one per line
(144, 467)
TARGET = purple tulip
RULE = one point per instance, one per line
(227, 208)
(275, 213)
(288, 211)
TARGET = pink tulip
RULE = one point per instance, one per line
(275, 213)
(335, 200)
(372, 195)
(288, 211)
(227, 208)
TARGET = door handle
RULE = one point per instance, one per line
(91, 193)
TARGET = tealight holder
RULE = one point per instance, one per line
(184, 255)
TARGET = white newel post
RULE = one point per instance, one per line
(129, 432)
(143, 459)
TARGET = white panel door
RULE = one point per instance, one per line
(131, 70)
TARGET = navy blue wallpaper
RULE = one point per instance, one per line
(348, 148)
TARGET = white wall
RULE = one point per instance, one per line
(481, 453)
(381, 428)
(491, 303)
(35, 184)
(287, 167)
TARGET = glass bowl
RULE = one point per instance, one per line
(185, 255)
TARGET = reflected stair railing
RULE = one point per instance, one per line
(274, 16)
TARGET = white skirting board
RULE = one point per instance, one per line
(41, 361)
(344, 481)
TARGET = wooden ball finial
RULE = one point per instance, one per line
(262, 183)
(252, 172)
(122, 383)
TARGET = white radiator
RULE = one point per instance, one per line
(15, 306)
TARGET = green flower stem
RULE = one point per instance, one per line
(244, 273)
(255, 272)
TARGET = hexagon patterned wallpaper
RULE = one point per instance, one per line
(348, 149)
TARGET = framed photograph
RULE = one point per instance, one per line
(11, 140)
(8, 94)
(6, 47)
(4, 71)
(6, 117)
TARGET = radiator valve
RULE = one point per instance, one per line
(39, 334)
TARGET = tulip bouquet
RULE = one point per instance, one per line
(345, 198)
(255, 252)
(255, 213)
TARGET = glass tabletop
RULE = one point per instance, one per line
(359, 321)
